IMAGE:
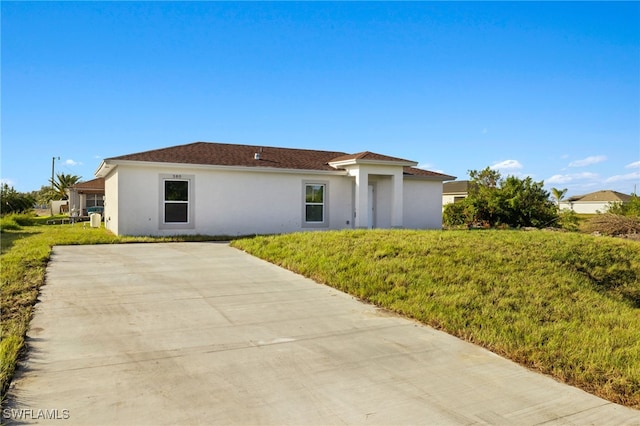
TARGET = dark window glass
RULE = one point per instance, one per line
(176, 190)
(176, 212)
(314, 213)
(94, 200)
(315, 194)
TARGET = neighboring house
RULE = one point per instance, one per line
(224, 189)
(452, 192)
(86, 195)
(595, 202)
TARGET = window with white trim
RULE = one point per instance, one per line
(314, 203)
(176, 201)
(94, 200)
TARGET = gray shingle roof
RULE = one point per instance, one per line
(601, 196)
(222, 154)
(457, 187)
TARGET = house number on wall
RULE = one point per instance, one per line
(177, 176)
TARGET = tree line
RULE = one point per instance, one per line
(12, 201)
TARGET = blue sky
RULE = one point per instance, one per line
(543, 89)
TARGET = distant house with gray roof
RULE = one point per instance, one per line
(594, 202)
(455, 191)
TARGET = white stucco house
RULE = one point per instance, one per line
(226, 189)
(85, 196)
(594, 202)
(453, 192)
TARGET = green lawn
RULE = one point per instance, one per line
(565, 304)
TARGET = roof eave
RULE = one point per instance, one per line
(114, 163)
(103, 169)
(359, 161)
(440, 178)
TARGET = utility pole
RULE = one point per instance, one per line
(53, 168)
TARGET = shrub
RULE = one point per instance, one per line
(9, 223)
(455, 214)
(497, 202)
(631, 208)
(568, 220)
(25, 219)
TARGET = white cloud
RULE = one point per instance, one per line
(632, 165)
(7, 181)
(571, 177)
(594, 159)
(559, 179)
(70, 162)
(507, 165)
(619, 178)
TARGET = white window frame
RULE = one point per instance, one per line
(190, 179)
(325, 205)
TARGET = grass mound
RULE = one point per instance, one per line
(564, 304)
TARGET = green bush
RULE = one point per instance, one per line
(631, 208)
(15, 221)
(455, 214)
(25, 219)
(9, 223)
(502, 203)
(568, 220)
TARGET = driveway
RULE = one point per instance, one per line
(201, 333)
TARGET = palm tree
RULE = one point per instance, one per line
(558, 194)
(63, 182)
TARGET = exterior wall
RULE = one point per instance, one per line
(225, 202)
(75, 203)
(451, 198)
(58, 204)
(244, 202)
(585, 207)
(111, 212)
(422, 204)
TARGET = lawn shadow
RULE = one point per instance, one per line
(8, 238)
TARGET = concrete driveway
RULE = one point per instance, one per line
(201, 333)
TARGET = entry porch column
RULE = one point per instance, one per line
(362, 198)
(397, 198)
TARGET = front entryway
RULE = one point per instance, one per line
(371, 207)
